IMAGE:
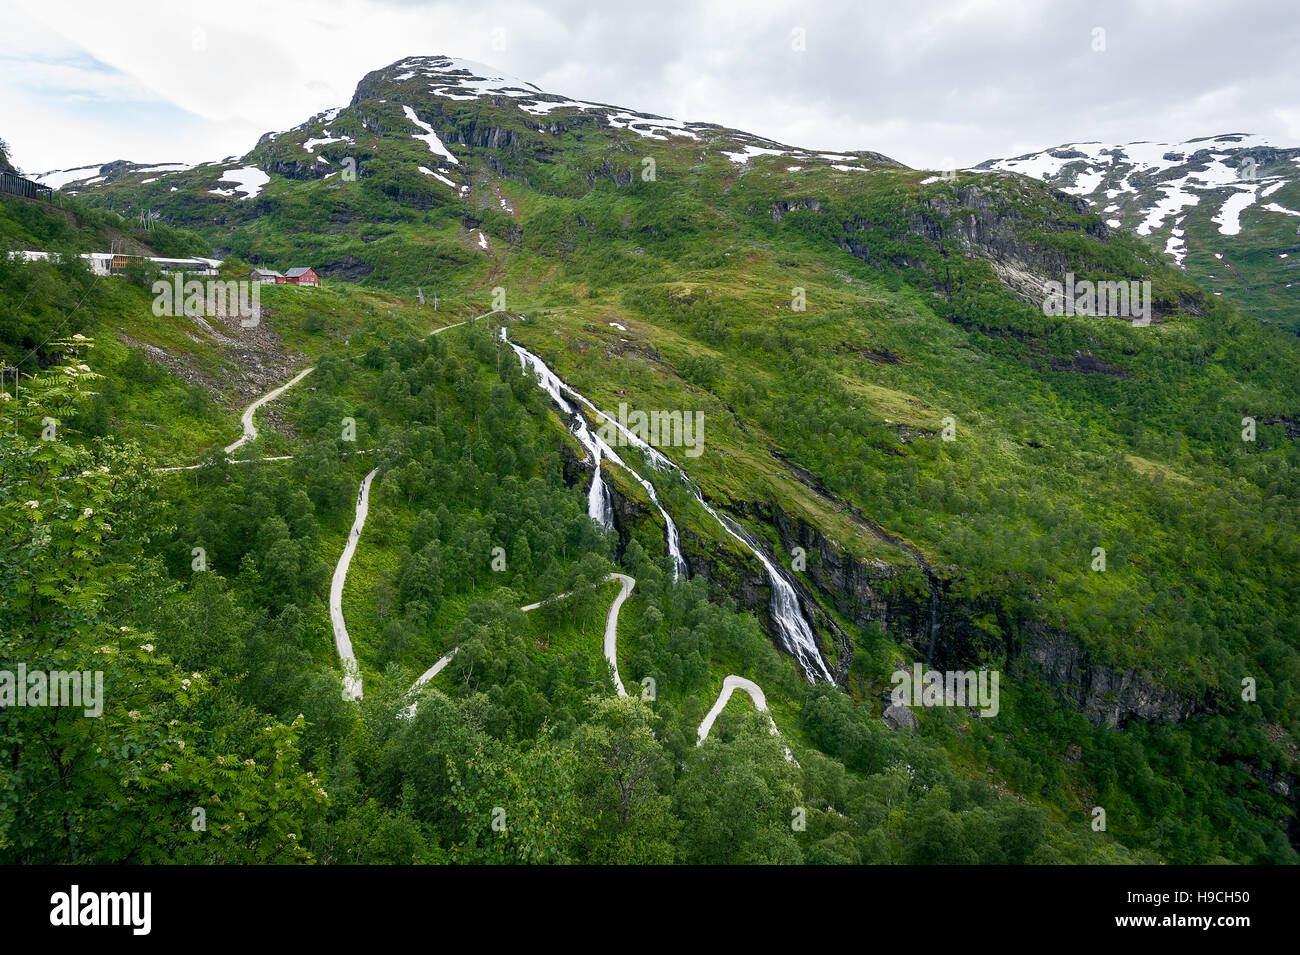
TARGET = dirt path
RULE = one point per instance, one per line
(729, 685)
(250, 429)
(352, 688)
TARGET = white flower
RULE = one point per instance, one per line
(87, 512)
(33, 505)
(147, 647)
(185, 684)
(166, 767)
(80, 338)
(134, 714)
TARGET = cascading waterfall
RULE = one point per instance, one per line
(795, 633)
(598, 504)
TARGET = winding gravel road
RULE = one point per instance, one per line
(250, 429)
(352, 688)
(611, 633)
(729, 685)
(352, 682)
(246, 419)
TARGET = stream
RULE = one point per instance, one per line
(796, 635)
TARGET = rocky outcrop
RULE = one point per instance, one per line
(915, 614)
(899, 717)
(985, 224)
(347, 269)
(781, 207)
(298, 168)
(728, 574)
(1105, 693)
(942, 630)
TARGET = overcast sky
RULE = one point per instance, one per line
(932, 83)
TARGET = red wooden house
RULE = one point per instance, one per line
(302, 277)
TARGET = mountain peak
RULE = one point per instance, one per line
(457, 77)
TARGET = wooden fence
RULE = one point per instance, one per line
(19, 186)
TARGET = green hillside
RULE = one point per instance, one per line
(946, 474)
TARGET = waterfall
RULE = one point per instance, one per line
(796, 635)
(598, 505)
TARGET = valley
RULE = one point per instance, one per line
(906, 458)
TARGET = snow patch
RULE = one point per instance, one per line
(58, 178)
(649, 126)
(248, 180)
(1176, 245)
(439, 177)
(311, 144)
(430, 137)
(746, 153)
(1228, 217)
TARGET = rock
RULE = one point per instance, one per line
(1105, 693)
(897, 717)
(348, 269)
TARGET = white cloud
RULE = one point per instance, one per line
(970, 79)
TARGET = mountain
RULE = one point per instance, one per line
(908, 453)
(1222, 207)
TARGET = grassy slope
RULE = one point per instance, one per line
(1048, 463)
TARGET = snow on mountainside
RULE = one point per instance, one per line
(465, 81)
(91, 175)
(433, 94)
(1227, 208)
